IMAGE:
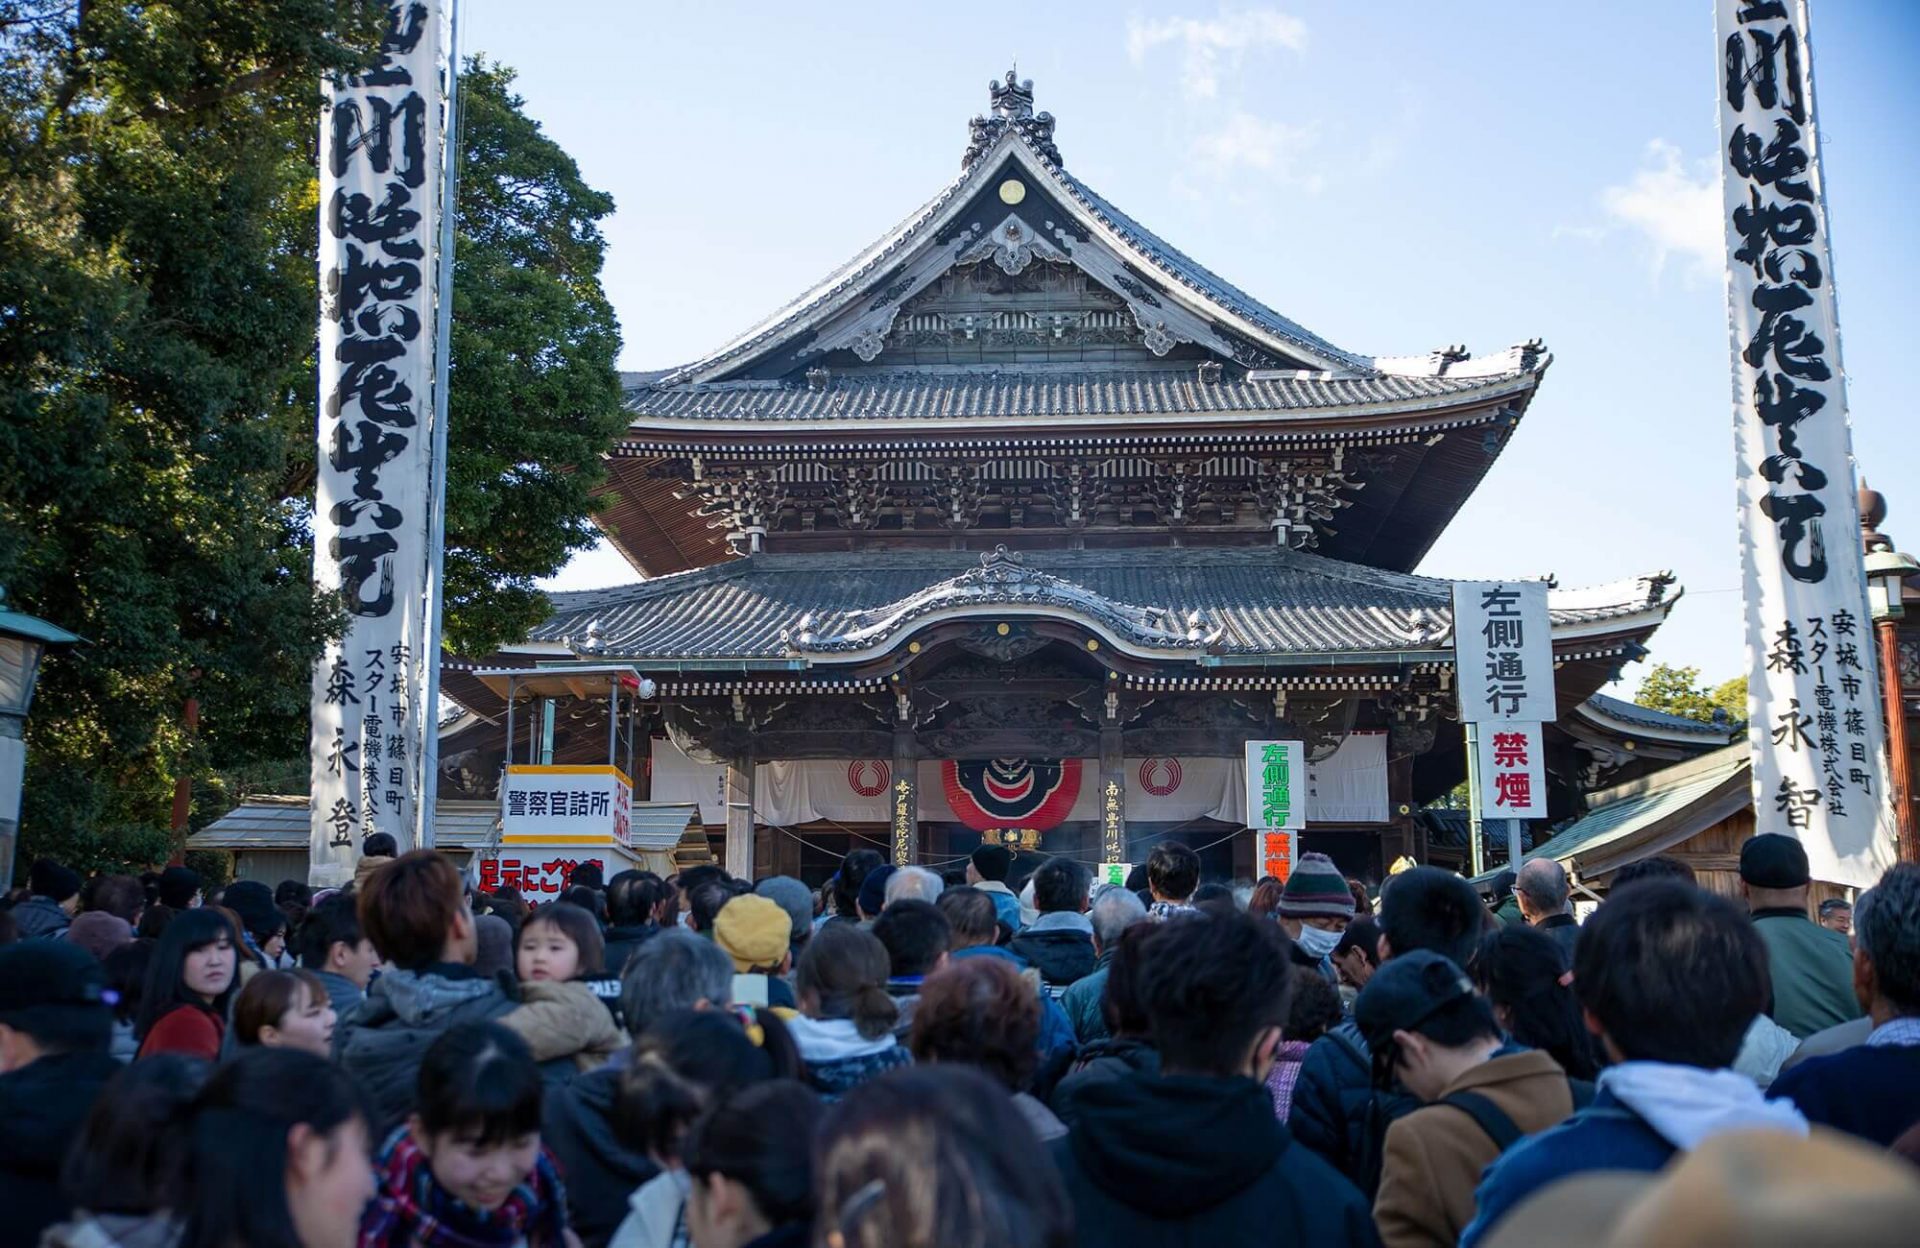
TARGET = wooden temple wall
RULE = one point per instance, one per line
(1714, 855)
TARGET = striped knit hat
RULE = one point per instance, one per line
(1316, 888)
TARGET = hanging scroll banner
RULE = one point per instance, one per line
(1819, 763)
(380, 178)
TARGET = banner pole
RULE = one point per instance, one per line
(1476, 854)
(437, 497)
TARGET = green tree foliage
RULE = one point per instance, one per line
(1678, 691)
(535, 398)
(158, 224)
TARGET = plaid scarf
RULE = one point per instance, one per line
(412, 1210)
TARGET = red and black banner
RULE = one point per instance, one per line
(1032, 793)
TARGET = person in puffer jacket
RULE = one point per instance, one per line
(415, 911)
(1059, 942)
(845, 1029)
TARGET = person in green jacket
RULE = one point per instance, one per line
(1506, 906)
(1812, 966)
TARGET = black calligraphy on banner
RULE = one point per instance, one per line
(380, 176)
(1815, 725)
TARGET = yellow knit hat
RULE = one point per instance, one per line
(753, 930)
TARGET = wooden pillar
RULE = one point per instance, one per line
(906, 798)
(1113, 794)
(1400, 838)
(740, 801)
(1895, 706)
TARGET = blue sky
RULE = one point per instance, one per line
(1395, 176)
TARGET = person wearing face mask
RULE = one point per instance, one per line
(468, 1167)
(1315, 908)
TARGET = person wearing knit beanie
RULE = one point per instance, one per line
(1315, 907)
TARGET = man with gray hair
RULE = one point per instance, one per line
(1542, 891)
(676, 970)
(1872, 1090)
(1114, 910)
(916, 884)
(797, 900)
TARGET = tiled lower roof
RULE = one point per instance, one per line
(1650, 815)
(1041, 392)
(1224, 601)
(1650, 717)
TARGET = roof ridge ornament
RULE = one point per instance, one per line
(1011, 108)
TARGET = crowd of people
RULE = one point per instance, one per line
(1004, 1056)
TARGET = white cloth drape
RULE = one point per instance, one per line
(1350, 786)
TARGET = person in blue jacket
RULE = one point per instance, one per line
(1671, 977)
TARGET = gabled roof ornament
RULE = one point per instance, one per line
(1012, 102)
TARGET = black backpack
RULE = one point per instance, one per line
(1493, 1120)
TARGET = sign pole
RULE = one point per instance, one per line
(1513, 843)
(1475, 847)
(437, 469)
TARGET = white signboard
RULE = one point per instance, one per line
(556, 804)
(1114, 873)
(1503, 652)
(1819, 766)
(1276, 785)
(1511, 768)
(380, 170)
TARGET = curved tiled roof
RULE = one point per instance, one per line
(924, 395)
(1134, 240)
(1658, 720)
(1248, 601)
(1174, 264)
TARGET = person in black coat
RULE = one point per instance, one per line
(1194, 1154)
(1337, 1111)
(1060, 942)
(673, 971)
(55, 1027)
(632, 897)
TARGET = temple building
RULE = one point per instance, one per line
(1019, 525)
(1021, 515)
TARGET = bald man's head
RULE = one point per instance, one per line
(1541, 889)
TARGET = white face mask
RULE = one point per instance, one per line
(1317, 941)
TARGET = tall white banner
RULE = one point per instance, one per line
(1819, 766)
(380, 176)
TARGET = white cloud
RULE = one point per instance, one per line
(1250, 142)
(1675, 204)
(1206, 44)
